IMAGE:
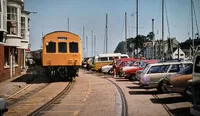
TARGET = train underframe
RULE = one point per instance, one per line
(66, 73)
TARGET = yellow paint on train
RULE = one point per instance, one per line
(61, 48)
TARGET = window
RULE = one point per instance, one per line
(6, 56)
(73, 47)
(12, 20)
(110, 58)
(51, 47)
(103, 59)
(181, 54)
(23, 27)
(1, 36)
(62, 38)
(158, 69)
(62, 47)
(4, 14)
(176, 68)
(124, 57)
(197, 65)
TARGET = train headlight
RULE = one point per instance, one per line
(69, 61)
(49, 62)
(75, 62)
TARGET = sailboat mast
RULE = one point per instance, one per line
(137, 27)
(192, 27)
(126, 32)
(106, 42)
(163, 47)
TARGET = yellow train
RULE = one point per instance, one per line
(61, 54)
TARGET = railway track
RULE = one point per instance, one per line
(124, 108)
(53, 100)
(24, 93)
(12, 100)
(163, 105)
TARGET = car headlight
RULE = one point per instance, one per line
(145, 80)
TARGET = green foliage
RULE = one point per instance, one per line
(150, 36)
(121, 48)
(136, 42)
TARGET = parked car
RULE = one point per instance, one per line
(105, 69)
(130, 72)
(152, 76)
(3, 107)
(122, 62)
(178, 82)
(195, 86)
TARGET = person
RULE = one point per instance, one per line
(87, 64)
(114, 67)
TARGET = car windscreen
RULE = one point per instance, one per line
(132, 63)
(145, 69)
(186, 70)
(158, 69)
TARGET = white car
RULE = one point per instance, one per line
(106, 69)
(153, 74)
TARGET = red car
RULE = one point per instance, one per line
(130, 72)
(121, 63)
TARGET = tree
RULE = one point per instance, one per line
(150, 36)
(121, 48)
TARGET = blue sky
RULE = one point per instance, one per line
(52, 15)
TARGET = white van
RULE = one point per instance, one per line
(101, 60)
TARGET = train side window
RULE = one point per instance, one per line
(62, 47)
(51, 47)
(73, 47)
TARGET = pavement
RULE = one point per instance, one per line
(12, 85)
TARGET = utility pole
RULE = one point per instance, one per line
(106, 45)
(126, 33)
(84, 42)
(92, 43)
(86, 46)
(68, 24)
(153, 50)
(163, 46)
(137, 27)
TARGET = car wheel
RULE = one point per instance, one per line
(110, 72)
(161, 88)
(132, 77)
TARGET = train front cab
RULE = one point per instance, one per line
(61, 55)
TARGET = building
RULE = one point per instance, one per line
(170, 49)
(14, 38)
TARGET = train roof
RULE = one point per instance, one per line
(59, 31)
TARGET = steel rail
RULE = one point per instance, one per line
(66, 90)
(123, 99)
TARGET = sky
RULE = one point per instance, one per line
(52, 15)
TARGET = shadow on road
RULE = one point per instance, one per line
(168, 100)
(134, 87)
(120, 79)
(143, 92)
(181, 111)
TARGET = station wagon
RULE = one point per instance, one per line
(153, 74)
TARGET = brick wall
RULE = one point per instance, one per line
(4, 72)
